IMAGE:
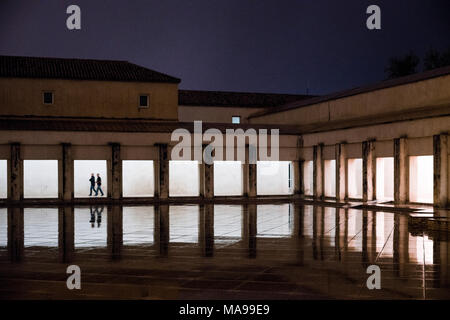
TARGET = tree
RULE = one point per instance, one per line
(402, 66)
(435, 59)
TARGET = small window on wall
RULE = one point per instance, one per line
(143, 101)
(47, 97)
(235, 119)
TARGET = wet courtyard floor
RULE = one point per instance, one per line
(270, 251)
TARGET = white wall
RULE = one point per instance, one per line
(330, 178)
(3, 179)
(308, 182)
(227, 178)
(40, 178)
(273, 178)
(385, 179)
(354, 172)
(184, 178)
(137, 178)
(421, 179)
(82, 174)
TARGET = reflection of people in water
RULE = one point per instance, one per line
(99, 215)
(96, 211)
(92, 221)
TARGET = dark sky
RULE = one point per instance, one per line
(235, 45)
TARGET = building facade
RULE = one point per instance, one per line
(386, 142)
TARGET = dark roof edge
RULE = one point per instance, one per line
(435, 73)
(169, 78)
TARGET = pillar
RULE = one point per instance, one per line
(400, 171)
(15, 174)
(15, 234)
(116, 172)
(66, 178)
(206, 179)
(161, 232)
(249, 172)
(66, 234)
(440, 170)
(368, 167)
(318, 171)
(162, 172)
(206, 229)
(341, 172)
(297, 170)
(115, 230)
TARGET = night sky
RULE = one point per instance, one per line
(234, 45)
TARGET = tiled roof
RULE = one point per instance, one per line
(347, 93)
(235, 99)
(78, 69)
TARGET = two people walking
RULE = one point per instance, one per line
(94, 182)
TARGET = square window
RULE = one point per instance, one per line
(48, 97)
(236, 119)
(143, 101)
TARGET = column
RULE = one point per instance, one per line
(15, 234)
(161, 229)
(249, 172)
(341, 172)
(15, 174)
(162, 172)
(206, 178)
(400, 171)
(115, 230)
(66, 178)
(66, 234)
(116, 172)
(206, 229)
(318, 171)
(297, 168)
(369, 167)
(440, 170)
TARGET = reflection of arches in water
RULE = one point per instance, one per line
(41, 227)
(275, 220)
(184, 223)
(228, 220)
(85, 235)
(3, 227)
(138, 225)
(421, 249)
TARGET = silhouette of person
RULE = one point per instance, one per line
(92, 180)
(92, 221)
(99, 215)
(99, 185)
